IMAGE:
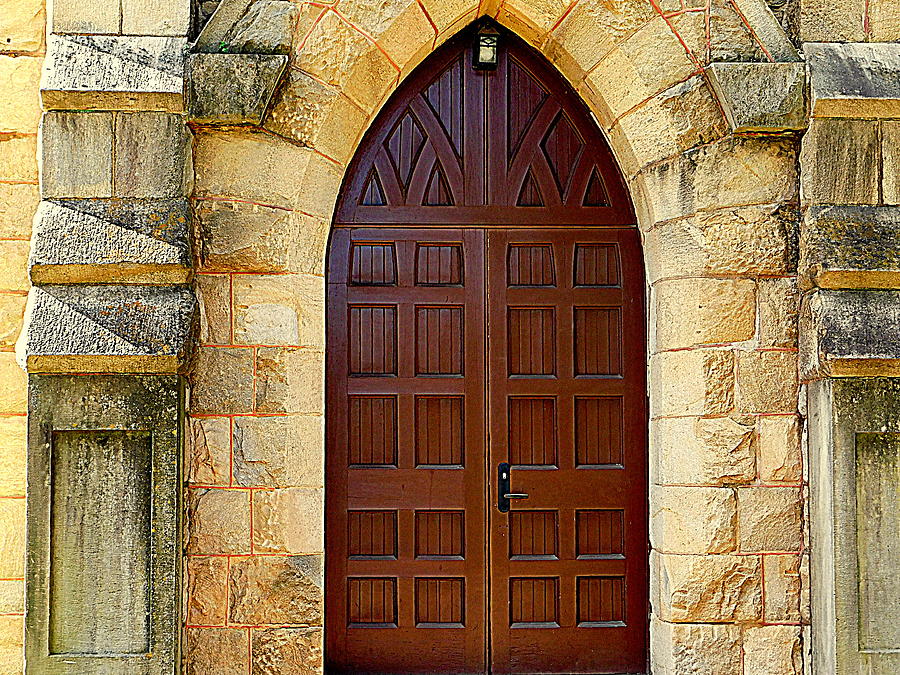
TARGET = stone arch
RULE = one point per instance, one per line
(717, 213)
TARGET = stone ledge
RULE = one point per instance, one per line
(850, 333)
(232, 88)
(113, 72)
(761, 97)
(111, 241)
(112, 329)
(858, 80)
(850, 247)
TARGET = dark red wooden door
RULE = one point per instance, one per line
(485, 309)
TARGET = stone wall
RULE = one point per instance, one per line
(21, 54)
(848, 21)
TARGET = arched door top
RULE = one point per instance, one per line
(509, 146)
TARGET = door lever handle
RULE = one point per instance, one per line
(503, 488)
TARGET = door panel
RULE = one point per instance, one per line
(568, 565)
(406, 579)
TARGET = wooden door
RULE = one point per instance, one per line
(485, 309)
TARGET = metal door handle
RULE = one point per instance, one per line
(503, 493)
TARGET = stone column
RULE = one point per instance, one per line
(108, 325)
(850, 353)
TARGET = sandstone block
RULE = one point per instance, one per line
(209, 451)
(232, 88)
(214, 300)
(14, 271)
(18, 158)
(12, 636)
(691, 312)
(77, 152)
(222, 651)
(218, 521)
(240, 237)
(12, 538)
(286, 651)
(278, 451)
(113, 72)
(316, 116)
(88, 329)
(767, 29)
(207, 590)
(824, 21)
(405, 38)
(758, 97)
(22, 26)
(13, 387)
(766, 382)
(772, 650)
(890, 162)
(714, 451)
(847, 333)
(288, 520)
(18, 203)
(850, 247)
(853, 80)
(12, 310)
(266, 28)
(692, 519)
(13, 444)
(769, 519)
(222, 381)
(706, 588)
(320, 186)
(779, 306)
(224, 16)
(447, 15)
(884, 21)
(111, 241)
(694, 382)
(778, 449)
(686, 649)
(840, 160)
(12, 597)
(151, 155)
(84, 16)
(248, 165)
(289, 380)
(276, 590)
(279, 310)
(782, 586)
(20, 109)
(156, 17)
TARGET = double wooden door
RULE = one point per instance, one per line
(467, 368)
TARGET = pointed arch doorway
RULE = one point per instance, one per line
(485, 341)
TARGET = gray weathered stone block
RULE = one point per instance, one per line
(76, 148)
(93, 329)
(854, 445)
(850, 333)
(850, 247)
(113, 72)
(232, 88)
(111, 241)
(226, 15)
(152, 155)
(761, 96)
(859, 80)
(266, 28)
(103, 565)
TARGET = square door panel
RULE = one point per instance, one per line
(533, 535)
(598, 341)
(439, 265)
(599, 435)
(372, 431)
(440, 602)
(439, 431)
(373, 340)
(597, 265)
(534, 602)
(532, 431)
(440, 534)
(531, 341)
(600, 533)
(601, 601)
(530, 265)
(372, 602)
(372, 534)
(439, 340)
(373, 264)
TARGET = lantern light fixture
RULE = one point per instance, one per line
(486, 52)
